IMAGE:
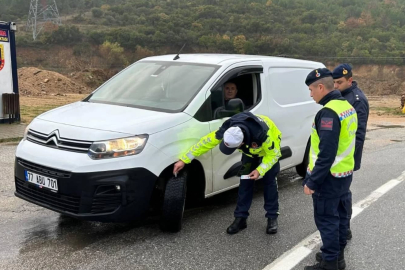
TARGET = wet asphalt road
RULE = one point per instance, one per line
(35, 238)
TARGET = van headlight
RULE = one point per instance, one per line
(118, 147)
(26, 133)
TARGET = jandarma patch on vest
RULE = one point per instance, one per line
(326, 123)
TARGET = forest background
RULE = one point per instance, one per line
(359, 31)
(98, 38)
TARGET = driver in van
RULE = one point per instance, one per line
(230, 91)
(258, 139)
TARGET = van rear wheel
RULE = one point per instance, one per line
(173, 204)
(302, 168)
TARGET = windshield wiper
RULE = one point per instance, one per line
(87, 98)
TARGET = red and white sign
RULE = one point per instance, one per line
(6, 76)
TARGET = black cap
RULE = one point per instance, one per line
(341, 70)
(317, 74)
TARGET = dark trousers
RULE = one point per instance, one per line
(332, 220)
(350, 208)
(245, 194)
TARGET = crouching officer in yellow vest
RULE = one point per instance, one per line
(258, 139)
(331, 164)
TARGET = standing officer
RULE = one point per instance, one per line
(343, 78)
(331, 164)
(258, 139)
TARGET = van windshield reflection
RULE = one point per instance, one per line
(162, 86)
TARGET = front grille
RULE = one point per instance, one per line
(55, 141)
(58, 201)
(105, 204)
(43, 170)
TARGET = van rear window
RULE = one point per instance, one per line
(161, 86)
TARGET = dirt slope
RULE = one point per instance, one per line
(38, 82)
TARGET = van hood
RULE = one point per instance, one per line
(114, 118)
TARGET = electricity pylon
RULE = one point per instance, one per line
(40, 13)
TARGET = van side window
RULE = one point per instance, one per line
(245, 87)
(241, 84)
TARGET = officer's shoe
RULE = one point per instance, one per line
(238, 224)
(272, 226)
(341, 260)
(323, 265)
(349, 235)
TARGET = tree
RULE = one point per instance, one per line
(239, 43)
(113, 54)
(63, 35)
(97, 13)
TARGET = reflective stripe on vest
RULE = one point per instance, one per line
(344, 161)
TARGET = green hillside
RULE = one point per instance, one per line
(367, 31)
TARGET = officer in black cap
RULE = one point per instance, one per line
(331, 163)
(343, 78)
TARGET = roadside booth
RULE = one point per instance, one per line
(9, 95)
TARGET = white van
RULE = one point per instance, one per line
(110, 157)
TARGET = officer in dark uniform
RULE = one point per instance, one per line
(331, 164)
(258, 139)
(343, 78)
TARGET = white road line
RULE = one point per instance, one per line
(294, 256)
(356, 210)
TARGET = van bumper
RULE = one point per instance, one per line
(89, 196)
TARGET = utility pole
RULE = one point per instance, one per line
(40, 13)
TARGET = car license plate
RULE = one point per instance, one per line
(42, 181)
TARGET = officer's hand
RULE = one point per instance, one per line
(254, 175)
(308, 191)
(178, 166)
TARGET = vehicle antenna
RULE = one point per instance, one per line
(177, 56)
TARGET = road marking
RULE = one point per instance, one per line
(299, 252)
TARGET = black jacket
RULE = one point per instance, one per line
(321, 179)
(359, 102)
(254, 130)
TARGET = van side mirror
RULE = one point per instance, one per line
(233, 107)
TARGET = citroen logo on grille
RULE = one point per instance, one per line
(53, 138)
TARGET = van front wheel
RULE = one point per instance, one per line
(173, 204)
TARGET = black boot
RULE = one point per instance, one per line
(272, 226)
(349, 234)
(238, 224)
(341, 259)
(323, 265)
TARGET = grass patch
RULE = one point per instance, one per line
(388, 110)
(16, 139)
(31, 107)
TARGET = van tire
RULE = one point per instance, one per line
(302, 168)
(173, 204)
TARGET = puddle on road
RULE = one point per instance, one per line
(69, 233)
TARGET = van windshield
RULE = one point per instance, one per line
(161, 86)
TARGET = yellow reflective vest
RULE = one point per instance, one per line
(269, 150)
(344, 162)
